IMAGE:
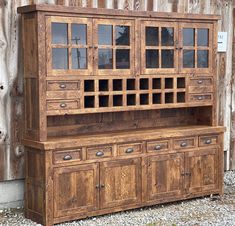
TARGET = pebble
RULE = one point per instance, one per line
(214, 210)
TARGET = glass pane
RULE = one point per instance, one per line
(202, 58)
(105, 34)
(105, 58)
(167, 36)
(60, 58)
(188, 59)
(188, 37)
(59, 33)
(122, 58)
(152, 60)
(79, 58)
(168, 58)
(122, 35)
(79, 32)
(203, 37)
(151, 34)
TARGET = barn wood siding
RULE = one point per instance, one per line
(11, 83)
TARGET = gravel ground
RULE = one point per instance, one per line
(218, 211)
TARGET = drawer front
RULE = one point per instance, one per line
(58, 95)
(184, 143)
(200, 97)
(66, 156)
(158, 145)
(129, 149)
(200, 82)
(62, 105)
(99, 152)
(208, 140)
(62, 85)
(200, 89)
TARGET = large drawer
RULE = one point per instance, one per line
(130, 149)
(184, 143)
(67, 156)
(208, 140)
(99, 152)
(158, 145)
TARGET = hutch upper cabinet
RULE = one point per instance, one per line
(176, 47)
(120, 110)
(89, 47)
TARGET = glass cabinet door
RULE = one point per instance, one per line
(158, 47)
(69, 46)
(113, 47)
(195, 47)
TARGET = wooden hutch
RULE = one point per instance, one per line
(120, 110)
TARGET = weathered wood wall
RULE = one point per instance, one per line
(11, 101)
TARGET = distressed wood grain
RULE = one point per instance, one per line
(11, 100)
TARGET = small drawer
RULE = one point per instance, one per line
(67, 156)
(58, 95)
(63, 85)
(158, 145)
(200, 82)
(200, 97)
(200, 85)
(99, 152)
(208, 140)
(128, 149)
(62, 105)
(183, 143)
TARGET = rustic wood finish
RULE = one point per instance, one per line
(106, 132)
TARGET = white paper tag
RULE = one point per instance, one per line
(222, 41)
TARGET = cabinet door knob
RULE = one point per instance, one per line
(99, 153)
(63, 105)
(208, 141)
(158, 147)
(199, 82)
(129, 150)
(102, 186)
(183, 144)
(67, 157)
(200, 98)
(62, 86)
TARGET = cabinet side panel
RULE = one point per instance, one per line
(34, 185)
(31, 102)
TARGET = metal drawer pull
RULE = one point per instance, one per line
(62, 86)
(129, 150)
(99, 153)
(208, 141)
(158, 147)
(199, 82)
(200, 98)
(183, 144)
(63, 105)
(98, 186)
(67, 157)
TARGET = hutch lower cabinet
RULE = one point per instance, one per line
(120, 110)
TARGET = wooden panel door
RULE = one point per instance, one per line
(195, 47)
(120, 183)
(164, 176)
(201, 170)
(69, 46)
(159, 47)
(75, 189)
(114, 47)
